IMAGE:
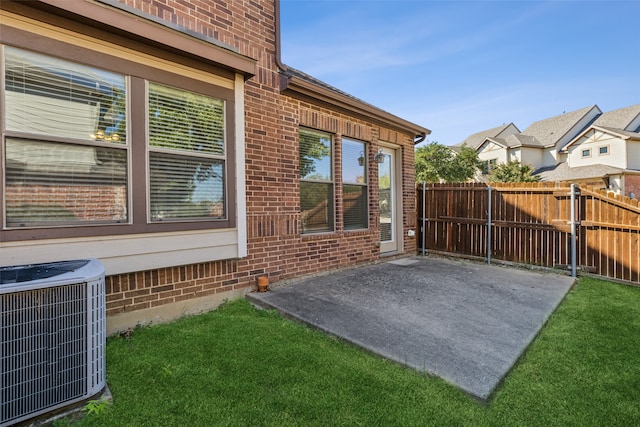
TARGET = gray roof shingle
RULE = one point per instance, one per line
(562, 172)
(521, 140)
(550, 131)
(621, 118)
(477, 139)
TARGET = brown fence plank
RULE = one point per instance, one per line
(530, 224)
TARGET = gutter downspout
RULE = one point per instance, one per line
(282, 67)
(418, 138)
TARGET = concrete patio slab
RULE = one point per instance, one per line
(465, 322)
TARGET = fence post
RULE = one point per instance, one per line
(573, 230)
(424, 221)
(489, 224)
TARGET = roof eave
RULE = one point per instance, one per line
(489, 139)
(118, 18)
(303, 88)
(565, 149)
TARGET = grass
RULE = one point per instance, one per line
(239, 366)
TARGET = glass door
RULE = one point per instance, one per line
(387, 201)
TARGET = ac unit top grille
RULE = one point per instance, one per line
(24, 273)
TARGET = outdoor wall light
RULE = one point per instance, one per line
(379, 157)
(361, 159)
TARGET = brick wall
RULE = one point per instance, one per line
(632, 185)
(275, 244)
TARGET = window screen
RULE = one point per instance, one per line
(64, 142)
(354, 185)
(186, 159)
(316, 181)
(52, 97)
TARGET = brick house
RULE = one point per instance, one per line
(167, 139)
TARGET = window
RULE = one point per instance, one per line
(604, 150)
(65, 143)
(316, 181)
(92, 146)
(586, 153)
(488, 165)
(354, 185)
(186, 159)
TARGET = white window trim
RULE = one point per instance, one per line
(129, 253)
(241, 192)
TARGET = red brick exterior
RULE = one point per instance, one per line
(632, 185)
(276, 246)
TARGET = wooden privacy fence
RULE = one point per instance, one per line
(553, 225)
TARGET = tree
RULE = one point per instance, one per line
(465, 166)
(438, 163)
(513, 171)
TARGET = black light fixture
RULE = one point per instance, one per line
(361, 159)
(379, 156)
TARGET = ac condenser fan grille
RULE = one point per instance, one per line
(43, 353)
(51, 346)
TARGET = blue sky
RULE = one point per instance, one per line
(460, 67)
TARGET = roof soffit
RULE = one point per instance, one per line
(105, 15)
(294, 85)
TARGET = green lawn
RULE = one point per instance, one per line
(239, 366)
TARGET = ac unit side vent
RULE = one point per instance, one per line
(52, 341)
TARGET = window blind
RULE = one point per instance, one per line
(182, 120)
(316, 181)
(186, 159)
(55, 184)
(355, 199)
(50, 96)
(184, 187)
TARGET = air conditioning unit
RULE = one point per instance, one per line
(52, 337)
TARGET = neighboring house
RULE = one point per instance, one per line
(583, 146)
(490, 145)
(553, 133)
(610, 143)
(168, 140)
(538, 144)
(500, 132)
(515, 147)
